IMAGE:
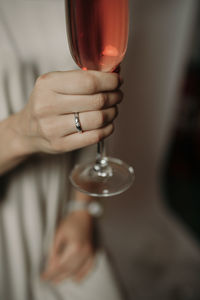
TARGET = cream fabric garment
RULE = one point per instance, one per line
(33, 41)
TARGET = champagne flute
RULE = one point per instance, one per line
(98, 35)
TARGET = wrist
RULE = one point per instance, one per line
(81, 197)
(21, 141)
(92, 208)
(82, 214)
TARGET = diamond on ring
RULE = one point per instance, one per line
(77, 123)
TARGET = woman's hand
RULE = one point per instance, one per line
(47, 122)
(72, 253)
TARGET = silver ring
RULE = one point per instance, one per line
(78, 123)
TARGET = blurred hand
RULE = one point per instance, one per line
(47, 121)
(72, 252)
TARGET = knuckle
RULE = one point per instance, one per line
(41, 78)
(101, 118)
(38, 81)
(36, 109)
(45, 129)
(112, 128)
(95, 137)
(40, 107)
(115, 81)
(39, 111)
(109, 130)
(90, 83)
(101, 100)
(112, 114)
(98, 136)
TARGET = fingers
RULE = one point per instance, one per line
(71, 264)
(78, 273)
(97, 119)
(73, 260)
(65, 125)
(77, 140)
(63, 263)
(62, 136)
(75, 267)
(64, 104)
(86, 268)
(80, 82)
(50, 125)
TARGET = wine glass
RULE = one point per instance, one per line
(98, 35)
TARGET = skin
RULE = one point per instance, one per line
(46, 125)
(72, 253)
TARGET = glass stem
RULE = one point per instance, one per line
(101, 151)
(101, 166)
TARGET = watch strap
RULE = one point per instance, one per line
(94, 208)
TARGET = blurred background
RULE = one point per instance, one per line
(153, 230)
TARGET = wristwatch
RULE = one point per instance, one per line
(94, 208)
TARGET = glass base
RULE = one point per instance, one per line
(117, 178)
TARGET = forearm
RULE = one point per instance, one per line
(77, 197)
(13, 148)
(83, 204)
